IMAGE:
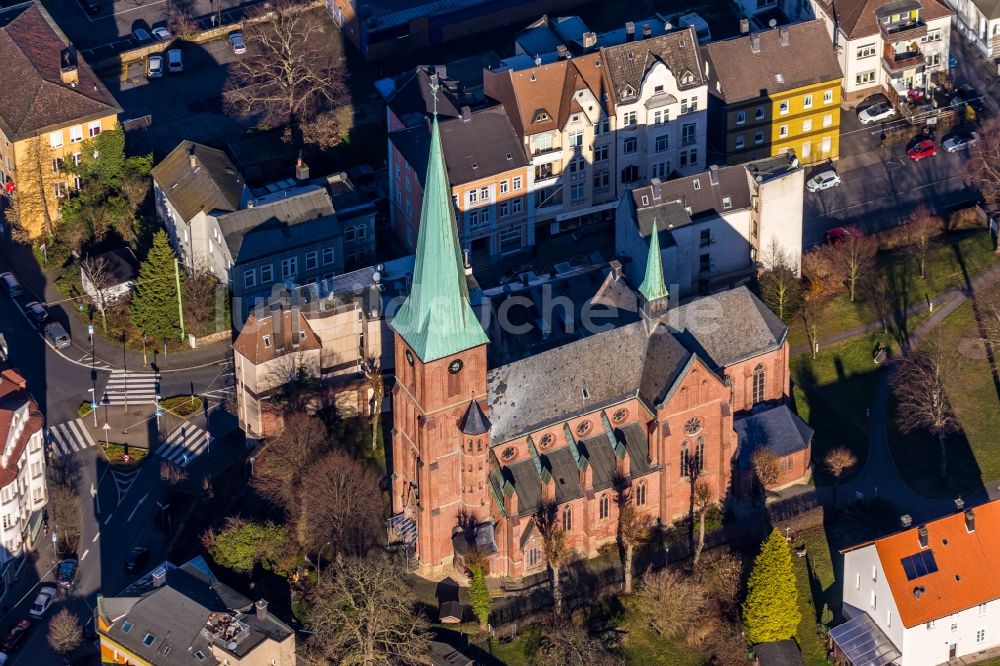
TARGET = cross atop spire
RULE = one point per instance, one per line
(436, 319)
(435, 86)
(653, 286)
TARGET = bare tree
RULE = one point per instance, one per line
(199, 291)
(568, 644)
(633, 529)
(765, 466)
(819, 271)
(918, 234)
(373, 373)
(97, 272)
(723, 577)
(64, 514)
(338, 503)
(702, 499)
(837, 461)
(880, 297)
(180, 17)
(983, 169)
(780, 287)
(288, 78)
(671, 602)
(554, 547)
(364, 614)
(284, 458)
(65, 632)
(853, 257)
(809, 314)
(921, 395)
(171, 473)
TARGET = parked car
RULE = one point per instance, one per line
(57, 335)
(36, 312)
(15, 636)
(66, 573)
(175, 61)
(838, 235)
(141, 37)
(876, 112)
(136, 558)
(46, 594)
(236, 41)
(823, 181)
(154, 66)
(925, 148)
(11, 284)
(961, 142)
(161, 34)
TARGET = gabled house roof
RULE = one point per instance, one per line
(629, 63)
(704, 193)
(33, 98)
(197, 178)
(15, 399)
(856, 18)
(954, 572)
(778, 429)
(261, 341)
(737, 73)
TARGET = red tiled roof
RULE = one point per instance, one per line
(857, 17)
(13, 395)
(966, 561)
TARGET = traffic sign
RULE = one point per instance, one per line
(55, 537)
(93, 405)
(90, 329)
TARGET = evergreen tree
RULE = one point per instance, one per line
(479, 596)
(771, 611)
(154, 305)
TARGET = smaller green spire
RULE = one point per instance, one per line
(653, 286)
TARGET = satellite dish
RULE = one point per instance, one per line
(772, 23)
(376, 277)
(380, 267)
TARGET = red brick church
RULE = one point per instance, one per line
(652, 401)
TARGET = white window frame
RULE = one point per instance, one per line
(313, 258)
(516, 183)
(828, 97)
(741, 117)
(864, 78)
(76, 133)
(56, 139)
(269, 270)
(472, 196)
(784, 107)
(503, 186)
(865, 51)
(807, 102)
(807, 125)
(740, 142)
(250, 278)
(289, 267)
(93, 128)
(328, 256)
(783, 131)
(515, 206)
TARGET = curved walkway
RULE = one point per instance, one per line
(879, 477)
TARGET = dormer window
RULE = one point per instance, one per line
(541, 117)
(645, 200)
(628, 92)
(631, 55)
(687, 78)
(267, 341)
(697, 183)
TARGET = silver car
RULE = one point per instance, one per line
(960, 142)
(57, 335)
(154, 67)
(236, 41)
(877, 112)
(823, 181)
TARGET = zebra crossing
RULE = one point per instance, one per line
(184, 445)
(68, 438)
(140, 388)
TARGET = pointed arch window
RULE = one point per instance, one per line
(758, 383)
(685, 460)
(567, 519)
(699, 455)
(640, 494)
(604, 506)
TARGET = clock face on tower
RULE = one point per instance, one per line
(455, 367)
(409, 357)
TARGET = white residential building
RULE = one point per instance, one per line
(979, 22)
(22, 468)
(925, 595)
(887, 45)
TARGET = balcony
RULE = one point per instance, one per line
(546, 171)
(899, 31)
(895, 62)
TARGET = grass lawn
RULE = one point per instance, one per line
(973, 457)
(833, 393)
(183, 405)
(968, 253)
(818, 590)
(116, 454)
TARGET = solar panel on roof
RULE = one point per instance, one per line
(920, 564)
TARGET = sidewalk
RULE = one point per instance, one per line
(21, 262)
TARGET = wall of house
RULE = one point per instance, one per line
(925, 645)
(268, 653)
(256, 383)
(973, 25)
(780, 202)
(866, 588)
(22, 496)
(811, 124)
(60, 143)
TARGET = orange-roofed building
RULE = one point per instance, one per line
(925, 595)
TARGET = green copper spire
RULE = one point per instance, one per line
(653, 287)
(436, 319)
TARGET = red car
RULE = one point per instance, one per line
(838, 235)
(15, 636)
(925, 148)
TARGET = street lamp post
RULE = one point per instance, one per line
(93, 404)
(55, 539)
(158, 412)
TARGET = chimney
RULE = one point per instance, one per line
(260, 608)
(293, 327)
(713, 175)
(159, 576)
(783, 35)
(441, 71)
(959, 504)
(616, 269)
(647, 31)
(755, 43)
(918, 591)
(744, 26)
(905, 521)
(970, 521)
(192, 157)
(466, 114)
(629, 31)
(922, 536)
(250, 203)
(277, 327)
(562, 52)
(538, 60)
(301, 169)
(67, 67)
(589, 40)
(654, 186)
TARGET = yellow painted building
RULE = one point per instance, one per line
(51, 102)
(775, 91)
